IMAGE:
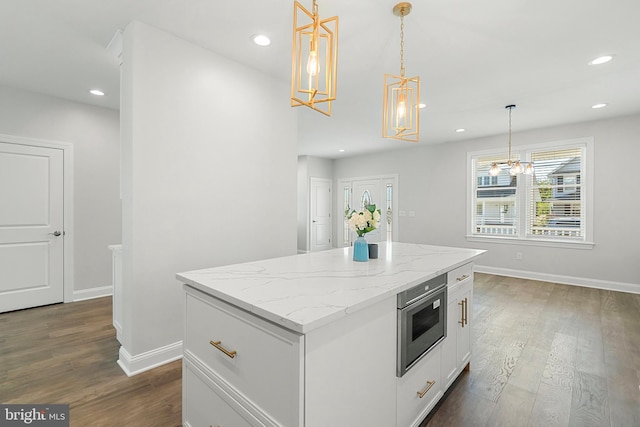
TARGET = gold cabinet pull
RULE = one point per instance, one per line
(464, 315)
(464, 276)
(466, 311)
(426, 389)
(217, 345)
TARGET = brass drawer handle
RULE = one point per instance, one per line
(426, 389)
(217, 345)
(464, 276)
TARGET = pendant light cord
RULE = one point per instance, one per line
(402, 43)
(510, 108)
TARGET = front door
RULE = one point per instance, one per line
(320, 214)
(31, 226)
(367, 192)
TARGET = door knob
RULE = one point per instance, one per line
(55, 233)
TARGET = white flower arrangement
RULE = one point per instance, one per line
(364, 221)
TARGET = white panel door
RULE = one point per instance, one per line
(369, 192)
(31, 226)
(320, 214)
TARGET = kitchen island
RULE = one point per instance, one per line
(310, 340)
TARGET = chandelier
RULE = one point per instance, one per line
(401, 115)
(515, 167)
(314, 59)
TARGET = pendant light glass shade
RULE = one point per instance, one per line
(314, 61)
(400, 110)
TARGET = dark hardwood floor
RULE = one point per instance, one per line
(544, 355)
(67, 353)
(548, 355)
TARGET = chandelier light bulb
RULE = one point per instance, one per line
(313, 66)
(494, 170)
(402, 109)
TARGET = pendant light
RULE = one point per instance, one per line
(314, 61)
(401, 113)
(515, 167)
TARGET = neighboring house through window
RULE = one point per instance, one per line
(553, 205)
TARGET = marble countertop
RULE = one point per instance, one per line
(304, 292)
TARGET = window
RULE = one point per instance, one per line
(551, 205)
(346, 192)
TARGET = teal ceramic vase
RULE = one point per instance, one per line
(360, 250)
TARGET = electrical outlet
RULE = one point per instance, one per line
(518, 255)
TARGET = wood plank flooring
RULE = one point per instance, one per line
(67, 353)
(548, 355)
(544, 355)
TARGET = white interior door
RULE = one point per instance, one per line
(31, 226)
(368, 192)
(320, 210)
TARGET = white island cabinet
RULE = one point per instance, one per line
(309, 340)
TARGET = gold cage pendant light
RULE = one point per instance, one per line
(400, 112)
(515, 167)
(314, 59)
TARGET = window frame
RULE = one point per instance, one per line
(524, 152)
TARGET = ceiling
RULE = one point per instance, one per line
(473, 58)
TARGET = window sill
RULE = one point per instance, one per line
(567, 244)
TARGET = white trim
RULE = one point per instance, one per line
(532, 242)
(134, 365)
(633, 288)
(85, 294)
(67, 150)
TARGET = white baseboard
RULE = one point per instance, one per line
(84, 294)
(632, 288)
(134, 365)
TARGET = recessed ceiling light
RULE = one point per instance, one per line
(261, 40)
(422, 105)
(341, 150)
(601, 60)
(96, 92)
(599, 106)
(460, 130)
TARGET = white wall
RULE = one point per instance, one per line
(209, 174)
(308, 167)
(94, 133)
(433, 183)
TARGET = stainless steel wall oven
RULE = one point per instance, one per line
(422, 321)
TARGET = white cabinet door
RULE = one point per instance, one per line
(456, 348)
(465, 304)
(31, 226)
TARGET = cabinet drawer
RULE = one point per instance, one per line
(419, 389)
(457, 276)
(203, 406)
(261, 361)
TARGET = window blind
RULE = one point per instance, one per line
(495, 200)
(555, 196)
